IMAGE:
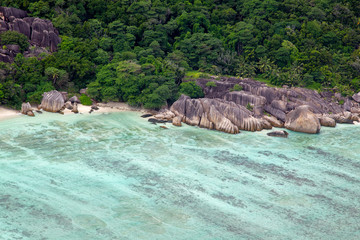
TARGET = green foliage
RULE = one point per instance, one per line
(139, 51)
(211, 84)
(12, 37)
(191, 89)
(249, 107)
(85, 100)
(236, 87)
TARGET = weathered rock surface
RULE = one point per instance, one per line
(356, 97)
(302, 119)
(177, 121)
(327, 121)
(74, 99)
(25, 107)
(274, 121)
(75, 108)
(41, 33)
(52, 101)
(276, 101)
(281, 133)
(216, 114)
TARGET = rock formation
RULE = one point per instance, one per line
(302, 119)
(215, 114)
(74, 99)
(52, 101)
(41, 33)
(258, 106)
(75, 108)
(327, 121)
(27, 109)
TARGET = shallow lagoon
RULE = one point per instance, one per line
(116, 176)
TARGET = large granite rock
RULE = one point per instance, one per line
(302, 119)
(327, 121)
(25, 108)
(52, 101)
(216, 114)
(278, 101)
(356, 97)
(41, 33)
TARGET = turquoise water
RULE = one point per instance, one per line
(116, 176)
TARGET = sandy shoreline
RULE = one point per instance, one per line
(6, 113)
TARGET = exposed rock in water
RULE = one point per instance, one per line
(281, 133)
(273, 121)
(177, 121)
(146, 115)
(164, 127)
(302, 119)
(30, 113)
(25, 107)
(216, 114)
(165, 115)
(52, 101)
(327, 121)
(153, 120)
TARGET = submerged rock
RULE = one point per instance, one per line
(302, 119)
(281, 133)
(154, 120)
(146, 115)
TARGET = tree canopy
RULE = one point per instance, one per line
(139, 51)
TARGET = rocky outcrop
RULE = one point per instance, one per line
(274, 121)
(356, 97)
(302, 119)
(275, 101)
(74, 99)
(52, 101)
(327, 121)
(75, 108)
(41, 33)
(216, 114)
(26, 109)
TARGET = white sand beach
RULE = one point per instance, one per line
(6, 113)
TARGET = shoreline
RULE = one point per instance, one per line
(110, 107)
(8, 113)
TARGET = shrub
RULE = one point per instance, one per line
(211, 84)
(191, 89)
(85, 100)
(236, 87)
(249, 107)
(12, 37)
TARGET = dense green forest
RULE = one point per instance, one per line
(139, 51)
